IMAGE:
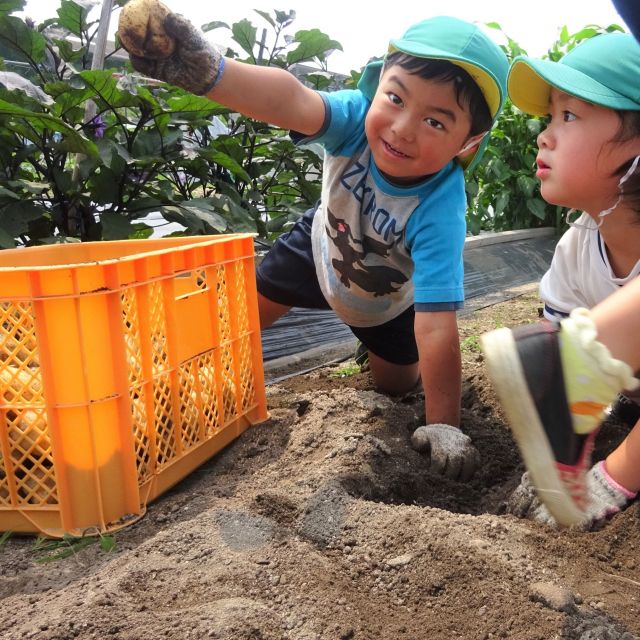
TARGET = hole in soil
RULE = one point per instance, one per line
(421, 489)
(408, 481)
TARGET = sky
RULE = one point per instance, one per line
(364, 29)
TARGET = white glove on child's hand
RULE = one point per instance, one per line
(450, 452)
(606, 498)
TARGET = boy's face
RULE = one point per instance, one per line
(576, 158)
(414, 126)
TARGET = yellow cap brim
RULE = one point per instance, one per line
(528, 90)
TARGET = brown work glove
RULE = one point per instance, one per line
(194, 65)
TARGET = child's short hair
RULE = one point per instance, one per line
(467, 92)
(461, 44)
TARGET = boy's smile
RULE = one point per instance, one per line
(414, 126)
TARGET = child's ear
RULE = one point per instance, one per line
(471, 145)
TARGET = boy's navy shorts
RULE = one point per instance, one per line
(287, 275)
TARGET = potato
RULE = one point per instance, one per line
(141, 29)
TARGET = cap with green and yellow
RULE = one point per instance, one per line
(604, 70)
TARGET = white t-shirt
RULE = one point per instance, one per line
(580, 274)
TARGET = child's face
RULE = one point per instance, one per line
(414, 126)
(576, 158)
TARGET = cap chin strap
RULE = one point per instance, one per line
(606, 212)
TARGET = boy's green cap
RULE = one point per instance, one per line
(461, 43)
(604, 70)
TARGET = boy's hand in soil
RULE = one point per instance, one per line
(606, 498)
(449, 451)
(194, 65)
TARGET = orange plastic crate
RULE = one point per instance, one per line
(123, 366)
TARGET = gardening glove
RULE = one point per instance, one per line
(449, 451)
(606, 498)
(194, 65)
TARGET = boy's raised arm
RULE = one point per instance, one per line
(271, 95)
(268, 94)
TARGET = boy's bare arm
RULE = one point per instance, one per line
(448, 451)
(271, 95)
(440, 365)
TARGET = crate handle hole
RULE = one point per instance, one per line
(191, 283)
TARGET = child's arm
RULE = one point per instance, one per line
(450, 452)
(268, 94)
(440, 365)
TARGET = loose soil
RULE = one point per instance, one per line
(323, 524)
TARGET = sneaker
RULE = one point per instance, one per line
(555, 382)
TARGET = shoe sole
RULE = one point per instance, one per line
(505, 371)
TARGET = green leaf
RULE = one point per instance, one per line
(68, 53)
(192, 107)
(141, 206)
(202, 221)
(285, 18)
(7, 241)
(4, 538)
(216, 24)
(537, 207)
(585, 33)
(151, 146)
(73, 17)
(107, 543)
(534, 126)
(502, 202)
(472, 188)
(112, 154)
(30, 186)
(15, 217)
(222, 159)
(319, 81)
(9, 6)
(29, 44)
(244, 33)
(564, 35)
(101, 84)
(526, 184)
(7, 194)
(40, 122)
(53, 550)
(141, 232)
(103, 185)
(115, 226)
(34, 97)
(313, 44)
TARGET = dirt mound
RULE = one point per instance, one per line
(324, 524)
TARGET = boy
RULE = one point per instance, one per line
(384, 247)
